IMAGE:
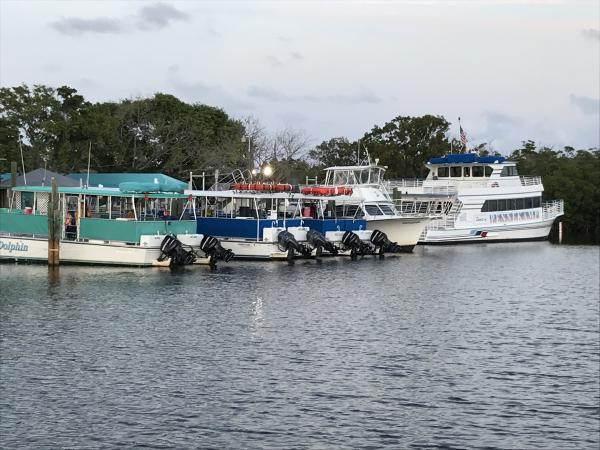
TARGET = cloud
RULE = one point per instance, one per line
(275, 96)
(591, 33)
(151, 17)
(587, 105)
(274, 61)
(73, 26)
(159, 15)
(296, 55)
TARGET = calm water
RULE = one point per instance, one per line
(452, 347)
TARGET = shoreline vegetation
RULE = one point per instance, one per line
(56, 127)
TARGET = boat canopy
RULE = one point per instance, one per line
(469, 158)
(108, 192)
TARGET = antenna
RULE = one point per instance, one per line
(22, 161)
(358, 152)
(87, 181)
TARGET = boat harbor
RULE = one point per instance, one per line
(354, 213)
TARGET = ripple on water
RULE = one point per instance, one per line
(430, 350)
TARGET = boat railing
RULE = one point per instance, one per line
(552, 209)
(530, 181)
(404, 183)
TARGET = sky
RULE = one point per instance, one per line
(511, 69)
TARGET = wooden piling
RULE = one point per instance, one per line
(560, 232)
(54, 226)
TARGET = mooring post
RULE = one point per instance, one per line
(54, 226)
(560, 232)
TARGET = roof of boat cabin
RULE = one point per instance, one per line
(467, 158)
(103, 191)
(112, 180)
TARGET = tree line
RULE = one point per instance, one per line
(54, 128)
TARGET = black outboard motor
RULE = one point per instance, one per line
(356, 246)
(319, 242)
(287, 242)
(211, 246)
(171, 247)
(380, 239)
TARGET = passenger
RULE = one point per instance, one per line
(130, 214)
(69, 219)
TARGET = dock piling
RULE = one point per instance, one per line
(54, 226)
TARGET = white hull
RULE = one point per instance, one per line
(403, 231)
(514, 232)
(31, 249)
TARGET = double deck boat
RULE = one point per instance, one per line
(368, 199)
(128, 225)
(493, 203)
(256, 220)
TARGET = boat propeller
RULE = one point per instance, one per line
(379, 239)
(211, 246)
(319, 242)
(288, 243)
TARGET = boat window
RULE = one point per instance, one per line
(477, 171)
(509, 171)
(348, 211)
(466, 171)
(373, 210)
(511, 204)
(455, 171)
(488, 171)
(443, 172)
(519, 203)
(387, 210)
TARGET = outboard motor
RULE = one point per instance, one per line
(356, 246)
(287, 242)
(319, 242)
(172, 248)
(380, 239)
(211, 246)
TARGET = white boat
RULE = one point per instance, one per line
(257, 220)
(493, 203)
(101, 226)
(370, 200)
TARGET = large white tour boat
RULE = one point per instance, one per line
(493, 203)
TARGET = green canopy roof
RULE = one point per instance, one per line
(112, 180)
(96, 191)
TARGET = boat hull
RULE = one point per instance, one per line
(403, 231)
(36, 250)
(519, 232)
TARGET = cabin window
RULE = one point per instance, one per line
(511, 204)
(477, 171)
(455, 171)
(466, 172)
(509, 171)
(373, 210)
(443, 172)
(348, 211)
(488, 171)
(387, 210)
(520, 202)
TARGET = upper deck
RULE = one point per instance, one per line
(471, 172)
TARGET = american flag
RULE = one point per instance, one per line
(463, 136)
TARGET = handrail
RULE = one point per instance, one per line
(530, 181)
